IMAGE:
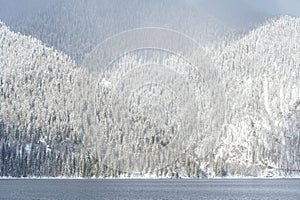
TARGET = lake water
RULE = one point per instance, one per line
(149, 189)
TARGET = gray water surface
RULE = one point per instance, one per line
(149, 189)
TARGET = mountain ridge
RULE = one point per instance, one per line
(56, 119)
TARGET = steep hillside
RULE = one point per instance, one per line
(39, 107)
(149, 115)
(262, 77)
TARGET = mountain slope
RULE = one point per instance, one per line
(261, 73)
(57, 120)
(37, 106)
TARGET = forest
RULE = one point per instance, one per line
(153, 113)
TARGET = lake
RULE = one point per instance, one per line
(131, 189)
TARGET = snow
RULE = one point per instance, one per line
(59, 113)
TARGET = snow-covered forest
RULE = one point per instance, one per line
(237, 116)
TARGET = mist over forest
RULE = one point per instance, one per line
(171, 88)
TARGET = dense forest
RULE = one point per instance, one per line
(153, 114)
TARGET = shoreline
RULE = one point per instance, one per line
(147, 178)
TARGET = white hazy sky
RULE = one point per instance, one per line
(290, 7)
(233, 13)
